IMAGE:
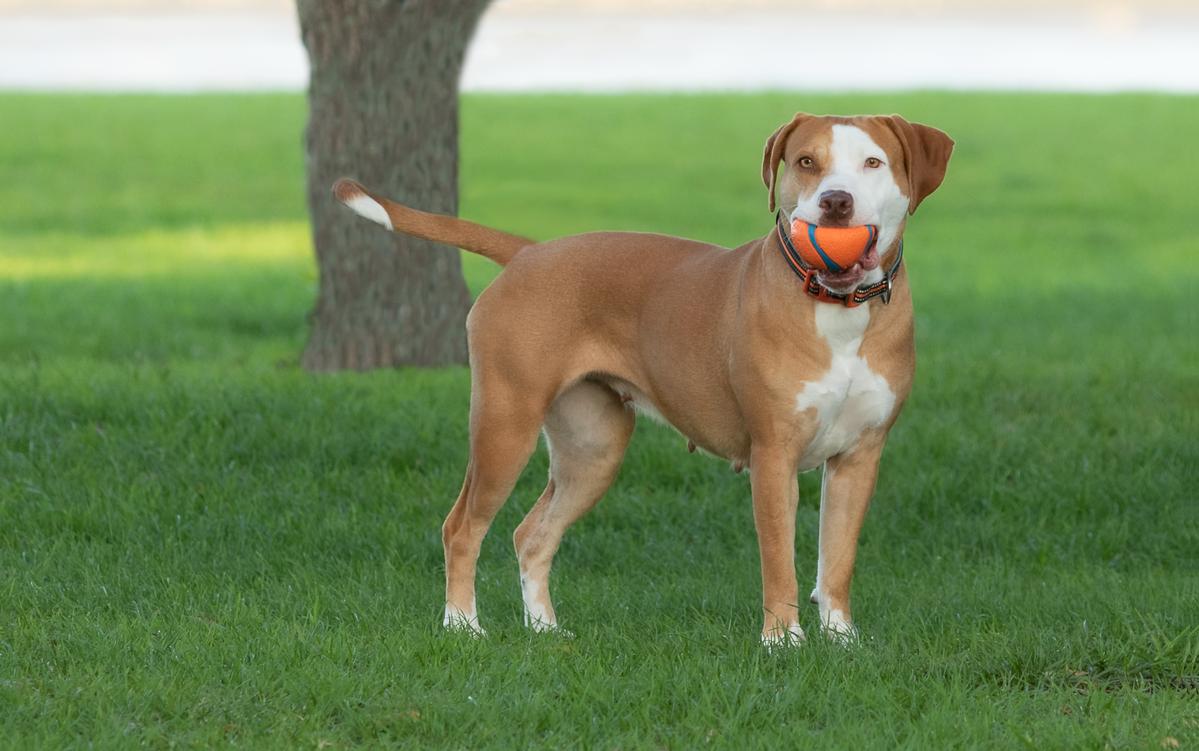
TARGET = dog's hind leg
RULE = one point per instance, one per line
(587, 430)
(504, 429)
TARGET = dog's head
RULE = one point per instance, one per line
(848, 171)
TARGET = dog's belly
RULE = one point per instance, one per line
(849, 398)
(715, 432)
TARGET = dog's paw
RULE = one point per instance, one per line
(541, 627)
(456, 620)
(539, 624)
(835, 627)
(779, 638)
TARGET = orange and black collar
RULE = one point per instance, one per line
(807, 274)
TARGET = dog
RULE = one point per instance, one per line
(747, 352)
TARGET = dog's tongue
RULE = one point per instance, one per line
(844, 278)
(869, 259)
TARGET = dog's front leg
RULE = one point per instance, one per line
(775, 496)
(845, 493)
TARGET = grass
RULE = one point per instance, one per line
(202, 545)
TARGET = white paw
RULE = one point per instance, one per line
(539, 626)
(538, 616)
(536, 620)
(539, 623)
(837, 628)
(777, 638)
(458, 620)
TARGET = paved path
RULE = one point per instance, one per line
(593, 50)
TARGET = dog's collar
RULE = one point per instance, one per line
(807, 274)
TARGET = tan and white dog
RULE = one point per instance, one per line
(774, 372)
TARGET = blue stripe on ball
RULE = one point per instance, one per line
(827, 261)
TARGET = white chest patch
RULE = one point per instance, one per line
(849, 397)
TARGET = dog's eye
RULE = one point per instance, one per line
(873, 162)
(806, 162)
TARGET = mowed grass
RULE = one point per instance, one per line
(202, 545)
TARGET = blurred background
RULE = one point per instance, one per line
(538, 45)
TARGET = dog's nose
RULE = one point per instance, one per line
(836, 204)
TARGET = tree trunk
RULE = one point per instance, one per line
(383, 108)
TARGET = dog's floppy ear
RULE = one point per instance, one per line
(773, 153)
(925, 154)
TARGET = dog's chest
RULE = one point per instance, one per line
(849, 397)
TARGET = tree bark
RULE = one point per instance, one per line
(383, 108)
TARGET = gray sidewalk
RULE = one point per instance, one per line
(558, 47)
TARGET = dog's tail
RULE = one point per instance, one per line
(494, 244)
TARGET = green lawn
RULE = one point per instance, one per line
(202, 545)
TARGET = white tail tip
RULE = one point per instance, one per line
(355, 196)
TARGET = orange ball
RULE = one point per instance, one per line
(832, 248)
